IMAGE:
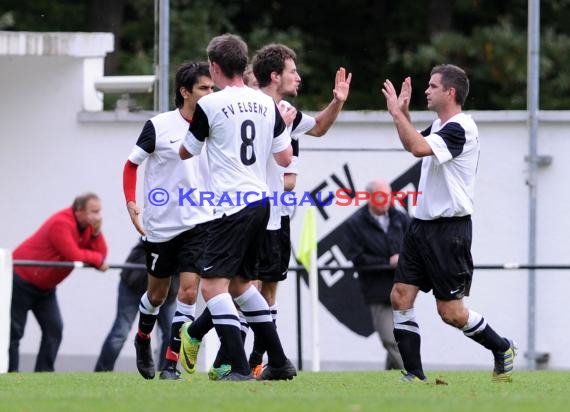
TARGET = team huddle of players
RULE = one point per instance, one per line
(242, 138)
(236, 253)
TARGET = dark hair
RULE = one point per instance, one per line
(187, 75)
(230, 53)
(271, 58)
(453, 76)
(80, 202)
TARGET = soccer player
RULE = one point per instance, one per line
(173, 233)
(436, 254)
(132, 286)
(375, 236)
(275, 70)
(243, 129)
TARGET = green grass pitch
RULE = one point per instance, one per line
(325, 391)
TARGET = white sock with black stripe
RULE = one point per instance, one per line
(226, 321)
(258, 316)
(407, 334)
(481, 332)
(147, 316)
(223, 310)
(184, 313)
(273, 310)
(475, 324)
(244, 326)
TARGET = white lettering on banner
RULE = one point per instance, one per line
(348, 184)
(411, 205)
(335, 258)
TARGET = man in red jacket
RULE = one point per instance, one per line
(72, 234)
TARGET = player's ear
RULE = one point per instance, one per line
(215, 67)
(184, 92)
(275, 76)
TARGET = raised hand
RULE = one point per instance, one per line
(394, 102)
(341, 85)
(288, 113)
(391, 96)
(405, 94)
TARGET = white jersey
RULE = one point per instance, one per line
(287, 205)
(168, 179)
(243, 131)
(300, 126)
(447, 180)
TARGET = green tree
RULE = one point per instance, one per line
(374, 39)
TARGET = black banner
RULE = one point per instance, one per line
(339, 290)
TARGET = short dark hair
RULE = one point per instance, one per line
(453, 76)
(230, 53)
(187, 75)
(271, 58)
(80, 202)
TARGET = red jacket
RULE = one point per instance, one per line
(59, 239)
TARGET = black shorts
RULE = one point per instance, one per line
(233, 243)
(436, 254)
(179, 254)
(275, 253)
(285, 245)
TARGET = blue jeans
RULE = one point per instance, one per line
(44, 306)
(127, 310)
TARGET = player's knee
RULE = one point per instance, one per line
(157, 297)
(209, 290)
(188, 295)
(269, 298)
(269, 292)
(451, 316)
(399, 297)
(395, 298)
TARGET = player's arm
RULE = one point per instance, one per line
(183, 153)
(283, 158)
(130, 190)
(291, 171)
(197, 133)
(290, 181)
(281, 142)
(144, 147)
(327, 117)
(411, 139)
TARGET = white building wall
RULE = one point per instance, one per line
(51, 149)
